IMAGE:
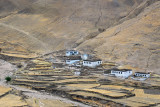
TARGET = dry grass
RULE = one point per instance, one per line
(75, 80)
(11, 100)
(4, 90)
(81, 86)
(140, 93)
(40, 62)
(19, 55)
(116, 87)
(26, 80)
(105, 92)
(87, 94)
(40, 68)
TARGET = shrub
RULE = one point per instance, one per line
(8, 79)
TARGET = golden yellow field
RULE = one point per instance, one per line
(116, 87)
(40, 68)
(74, 80)
(80, 86)
(140, 93)
(4, 90)
(27, 80)
(105, 92)
(11, 100)
(41, 62)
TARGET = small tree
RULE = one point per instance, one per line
(8, 79)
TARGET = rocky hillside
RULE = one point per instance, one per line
(121, 31)
(44, 26)
(135, 42)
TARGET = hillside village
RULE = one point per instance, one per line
(85, 78)
(79, 53)
(81, 63)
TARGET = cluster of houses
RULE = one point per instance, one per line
(77, 59)
(125, 73)
(74, 60)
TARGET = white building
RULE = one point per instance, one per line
(142, 74)
(123, 73)
(72, 60)
(92, 63)
(71, 52)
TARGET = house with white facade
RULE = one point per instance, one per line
(142, 74)
(92, 63)
(71, 52)
(123, 73)
(72, 60)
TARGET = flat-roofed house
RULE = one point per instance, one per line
(92, 62)
(72, 59)
(123, 73)
(71, 52)
(142, 74)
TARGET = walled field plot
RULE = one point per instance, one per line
(72, 81)
(30, 81)
(81, 86)
(92, 90)
(41, 62)
(4, 90)
(106, 93)
(140, 99)
(116, 87)
(34, 102)
(11, 100)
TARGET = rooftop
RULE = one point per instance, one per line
(123, 70)
(73, 58)
(142, 72)
(93, 60)
(70, 50)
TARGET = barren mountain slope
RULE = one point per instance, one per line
(57, 24)
(135, 42)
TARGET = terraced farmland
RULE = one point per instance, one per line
(91, 90)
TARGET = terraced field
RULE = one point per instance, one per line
(7, 99)
(91, 90)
